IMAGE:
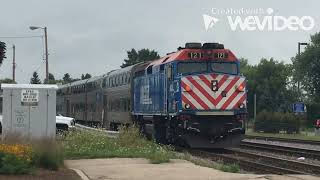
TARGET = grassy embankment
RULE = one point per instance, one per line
(302, 135)
(92, 144)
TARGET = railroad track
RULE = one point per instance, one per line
(281, 149)
(260, 163)
(283, 140)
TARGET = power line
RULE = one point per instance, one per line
(19, 37)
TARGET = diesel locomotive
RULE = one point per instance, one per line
(195, 96)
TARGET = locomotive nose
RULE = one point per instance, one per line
(213, 92)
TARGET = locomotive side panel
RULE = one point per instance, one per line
(149, 94)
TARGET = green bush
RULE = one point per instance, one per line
(274, 122)
(20, 156)
(233, 168)
(313, 113)
(11, 164)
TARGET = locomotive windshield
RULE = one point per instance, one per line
(197, 67)
(192, 67)
(227, 68)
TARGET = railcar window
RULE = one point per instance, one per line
(192, 67)
(228, 68)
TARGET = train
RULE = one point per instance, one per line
(195, 96)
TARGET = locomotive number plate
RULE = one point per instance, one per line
(220, 55)
(195, 55)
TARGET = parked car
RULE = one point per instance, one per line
(65, 123)
(62, 123)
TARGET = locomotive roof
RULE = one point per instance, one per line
(183, 54)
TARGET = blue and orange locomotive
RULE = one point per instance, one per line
(194, 96)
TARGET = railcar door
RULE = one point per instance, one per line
(68, 108)
(104, 111)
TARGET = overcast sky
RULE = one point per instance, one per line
(92, 36)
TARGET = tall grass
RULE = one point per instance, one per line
(129, 144)
(48, 154)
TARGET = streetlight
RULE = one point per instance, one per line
(46, 48)
(300, 44)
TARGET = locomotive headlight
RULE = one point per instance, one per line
(187, 106)
(240, 88)
(241, 106)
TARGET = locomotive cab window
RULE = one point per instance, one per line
(227, 68)
(192, 67)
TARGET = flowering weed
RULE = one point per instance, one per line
(129, 144)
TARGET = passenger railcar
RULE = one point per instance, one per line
(82, 100)
(94, 100)
(118, 98)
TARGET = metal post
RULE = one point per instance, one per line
(46, 55)
(299, 58)
(299, 44)
(14, 63)
(254, 107)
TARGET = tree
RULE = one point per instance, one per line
(35, 78)
(7, 80)
(66, 78)
(51, 79)
(142, 55)
(85, 76)
(2, 52)
(306, 69)
(269, 80)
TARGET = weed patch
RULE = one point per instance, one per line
(129, 144)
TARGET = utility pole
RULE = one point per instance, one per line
(14, 63)
(46, 49)
(254, 107)
(299, 44)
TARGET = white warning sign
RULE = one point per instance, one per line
(29, 97)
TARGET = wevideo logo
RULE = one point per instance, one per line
(254, 21)
(209, 21)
